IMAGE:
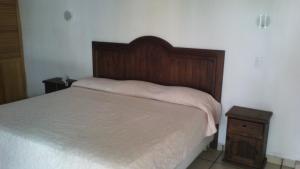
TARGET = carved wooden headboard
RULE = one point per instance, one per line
(154, 60)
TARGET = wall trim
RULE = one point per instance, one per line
(297, 165)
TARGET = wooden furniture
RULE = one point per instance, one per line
(154, 60)
(55, 84)
(247, 136)
(12, 73)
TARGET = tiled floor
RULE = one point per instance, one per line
(212, 159)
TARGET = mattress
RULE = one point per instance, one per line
(81, 128)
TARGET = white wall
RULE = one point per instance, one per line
(54, 47)
(283, 78)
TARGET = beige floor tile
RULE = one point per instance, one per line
(286, 168)
(220, 159)
(210, 154)
(268, 165)
(204, 161)
(272, 166)
(225, 166)
(200, 164)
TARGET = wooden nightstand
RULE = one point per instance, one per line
(55, 84)
(247, 136)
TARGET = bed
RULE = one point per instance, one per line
(130, 115)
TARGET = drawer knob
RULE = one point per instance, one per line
(244, 125)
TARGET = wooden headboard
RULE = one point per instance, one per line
(154, 60)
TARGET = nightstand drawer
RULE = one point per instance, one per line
(245, 128)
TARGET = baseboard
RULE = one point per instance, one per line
(273, 159)
(289, 163)
(297, 165)
(220, 147)
(279, 160)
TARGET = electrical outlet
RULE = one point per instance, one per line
(258, 61)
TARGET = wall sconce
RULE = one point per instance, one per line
(263, 21)
(67, 15)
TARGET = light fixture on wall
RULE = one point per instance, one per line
(67, 15)
(263, 21)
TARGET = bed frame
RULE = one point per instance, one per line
(154, 60)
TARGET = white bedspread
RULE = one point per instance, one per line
(81, 128)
